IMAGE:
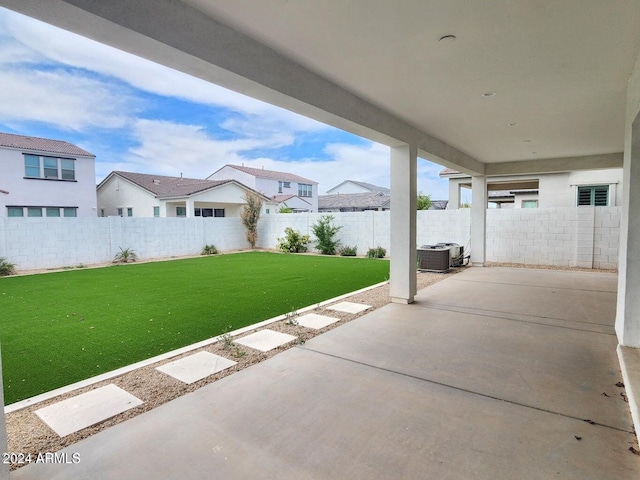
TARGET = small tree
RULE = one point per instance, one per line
(250, 216)
(424, 201)
(325, 232)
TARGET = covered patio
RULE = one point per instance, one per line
(488, 89)
(492, 373)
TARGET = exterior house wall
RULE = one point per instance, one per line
(25, 192)
(230, 173)
(348, 187)
(569, 236)
(266, 186)
(118, 192)
(555, 190)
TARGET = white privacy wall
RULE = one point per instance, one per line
(572, 236)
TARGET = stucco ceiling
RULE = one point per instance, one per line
(559, 69)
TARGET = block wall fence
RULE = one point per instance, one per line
(581, 236)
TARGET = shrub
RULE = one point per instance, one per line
(6, 268)
(125, 255)
(209, 250)
(325, 231)
(348, 251)
(293, 242)
(377, 252)
(285, 210)
(250, 216)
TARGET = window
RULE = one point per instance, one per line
(120, 212)
(102, 212)
(279, 186)
(181, 211)
(594, 195)
(31, 166)
(529, 203)
(305, 190)
(15, 212)
(129, 212)
(218, 212)
(156, 211)
(43, 211)
(286, 184)
(267, 211)
(50, 168)
(203, 212)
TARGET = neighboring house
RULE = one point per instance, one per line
(128, 194)
(293, 202)
(45, 178)
(351, 186)
(354, 202)
(562, 189)
(274, 184)
(353, 196)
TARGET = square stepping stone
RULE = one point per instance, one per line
(315, 321)
(196, 367)
(265, 340)
(349, 307)
(81, 411)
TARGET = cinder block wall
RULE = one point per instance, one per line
(584, 236)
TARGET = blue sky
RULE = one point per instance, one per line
(138, 116)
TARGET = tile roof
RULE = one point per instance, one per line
(284, 198)
(354, 200)
(163, 186)
(445, 172)
(272, 174)
(44, 145)
(368, 186)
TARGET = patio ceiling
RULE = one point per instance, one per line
(559, 70)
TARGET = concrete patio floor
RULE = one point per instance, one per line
(491, 374)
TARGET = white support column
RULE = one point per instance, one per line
(404, 173)
(189, 206)
(628, 311)
(478, 220)
(454, 195)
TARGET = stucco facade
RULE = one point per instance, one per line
(552, 190)
(63, 186)
(273, 184)
(125, 194)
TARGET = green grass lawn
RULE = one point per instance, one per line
(59, 328)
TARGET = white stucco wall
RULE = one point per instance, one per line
(117, 192)
(46, 193)
(266, 186)
(347, 187)
(555, 190)
(230, 173)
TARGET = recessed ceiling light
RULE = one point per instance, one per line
(534, 152)
(526, 141)
(488, 94)
(513, 124)
(447, 39)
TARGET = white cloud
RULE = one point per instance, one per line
(61, 46)
(71, 102)
(169, 148)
